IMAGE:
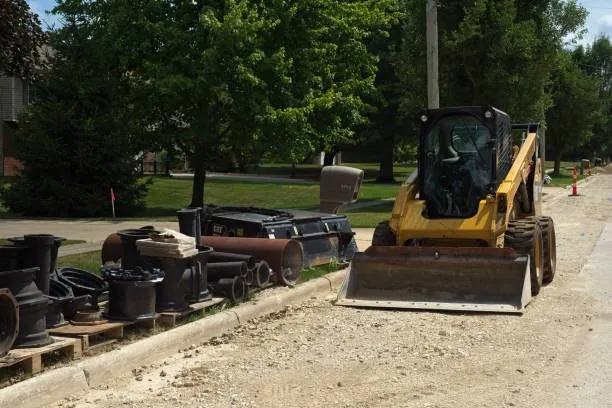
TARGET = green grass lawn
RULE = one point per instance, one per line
(167, 195)
(90, 261)
(370, 216)
(565, 178)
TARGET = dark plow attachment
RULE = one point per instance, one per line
(465, 279)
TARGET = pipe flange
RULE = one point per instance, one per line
(9, 320)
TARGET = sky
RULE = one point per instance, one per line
(599, 21)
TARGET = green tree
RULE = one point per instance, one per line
(596, 61)
(385, 125)
(21, 39)
(503, 56)
(494, 52)
(288, 76)
(78, 139)
(575, 110)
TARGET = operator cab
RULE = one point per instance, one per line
(458, 160)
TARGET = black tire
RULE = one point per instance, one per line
(383, 235)
(525, 236)
(550, 247)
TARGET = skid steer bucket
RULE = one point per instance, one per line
(466, 279)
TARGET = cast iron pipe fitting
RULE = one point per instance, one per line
(131, 257)
(131, 293)
(191, 285)
(32, 307)
(9, 320)
(189, 222)
(12, 257)
(39, 253)
(20, 241)
(70, 303)
(170, 294)
(59, 295)
(195, 280)
(112, 248)
(83, 283)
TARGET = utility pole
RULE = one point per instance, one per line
(433, 90)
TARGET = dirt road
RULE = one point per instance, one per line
(320, 355)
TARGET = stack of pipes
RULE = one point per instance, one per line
(237, 264)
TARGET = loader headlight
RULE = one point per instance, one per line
(488, 114)
(424, 118)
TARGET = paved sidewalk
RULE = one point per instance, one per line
(89, 231)
(95, 232)
(247, 177)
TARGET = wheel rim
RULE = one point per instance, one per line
(539, 257)
(552, 242)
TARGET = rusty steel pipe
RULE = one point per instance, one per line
(112, 248)
(284, 256)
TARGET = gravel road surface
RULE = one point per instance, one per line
(319, 355)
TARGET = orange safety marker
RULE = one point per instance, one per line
(574, 186)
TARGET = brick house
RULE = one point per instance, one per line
(14, 95)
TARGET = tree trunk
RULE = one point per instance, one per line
(385, 173)
(328, 160)
(199, 177)
(557, 169)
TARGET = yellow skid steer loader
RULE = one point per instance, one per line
(466, 232)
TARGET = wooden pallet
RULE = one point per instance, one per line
(99, 334)
(170, 318)
(31, 358)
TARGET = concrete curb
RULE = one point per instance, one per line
(118, 363)
(55, 385)
(44, 389)
(336, 278)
